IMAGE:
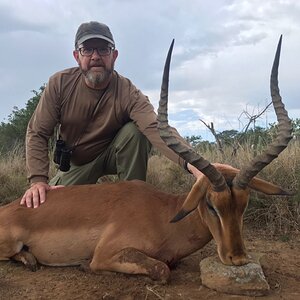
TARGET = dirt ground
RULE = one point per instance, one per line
(281, 267)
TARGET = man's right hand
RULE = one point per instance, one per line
(36, 194)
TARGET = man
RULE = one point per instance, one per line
(106, 124)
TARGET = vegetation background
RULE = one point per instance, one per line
(281, 215)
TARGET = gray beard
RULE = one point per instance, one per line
(97, 78)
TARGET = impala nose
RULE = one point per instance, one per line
(239, 260)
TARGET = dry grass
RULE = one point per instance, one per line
(12, 175)
(168, 176)
(279, 214)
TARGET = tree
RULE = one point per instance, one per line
(214, 133)
(235, 138)
(296, 128)
(194, 140)
(228, 136)
(13, 132)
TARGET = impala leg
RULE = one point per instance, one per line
(8, 245)
(131, 261)
(27, 258)
(12, 249)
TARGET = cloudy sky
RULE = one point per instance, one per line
(220, 66)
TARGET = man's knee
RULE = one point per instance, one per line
(129, 132)
(132, 152)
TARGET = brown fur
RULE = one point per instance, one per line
(125, 226)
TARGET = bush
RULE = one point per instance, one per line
(13, 132)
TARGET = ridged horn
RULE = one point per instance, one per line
(183, 150)
(284, 132)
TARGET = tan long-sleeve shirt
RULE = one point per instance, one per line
(89, 119)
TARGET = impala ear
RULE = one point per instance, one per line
(192, 200)
(268, 188)
(255, 183)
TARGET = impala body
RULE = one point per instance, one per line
(125, 226)
(130, 226)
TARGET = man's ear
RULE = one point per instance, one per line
(115, 55)
(76, 55)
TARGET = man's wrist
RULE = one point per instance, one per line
(38, 179)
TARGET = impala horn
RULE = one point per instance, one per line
(283, 137)
(183, 150)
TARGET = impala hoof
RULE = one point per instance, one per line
(28, 259)
(160, 272)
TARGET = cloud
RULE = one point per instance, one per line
(220, 66)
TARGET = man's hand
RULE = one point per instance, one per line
(194, 171)
(36, 194)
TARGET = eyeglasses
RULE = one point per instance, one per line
(88, 51)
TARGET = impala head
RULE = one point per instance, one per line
(221, 195)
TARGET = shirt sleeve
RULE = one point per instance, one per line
(40, 129)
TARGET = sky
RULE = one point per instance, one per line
(220, 66)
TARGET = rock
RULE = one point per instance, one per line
(246, 280)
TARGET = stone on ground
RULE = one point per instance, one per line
(246, 280)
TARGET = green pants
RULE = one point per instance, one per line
(126, 156)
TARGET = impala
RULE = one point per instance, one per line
(125, 226)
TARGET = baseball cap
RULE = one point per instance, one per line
(92, 30)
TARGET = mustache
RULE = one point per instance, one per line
(97, 65)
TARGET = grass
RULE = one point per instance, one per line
(12, 175)
(281, 215)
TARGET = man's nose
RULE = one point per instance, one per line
(95, 55)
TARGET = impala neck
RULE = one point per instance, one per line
(185, 236)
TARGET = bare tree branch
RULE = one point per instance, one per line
(252, 119)
(236, 144)
(212, 130)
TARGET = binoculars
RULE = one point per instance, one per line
(62, 155)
